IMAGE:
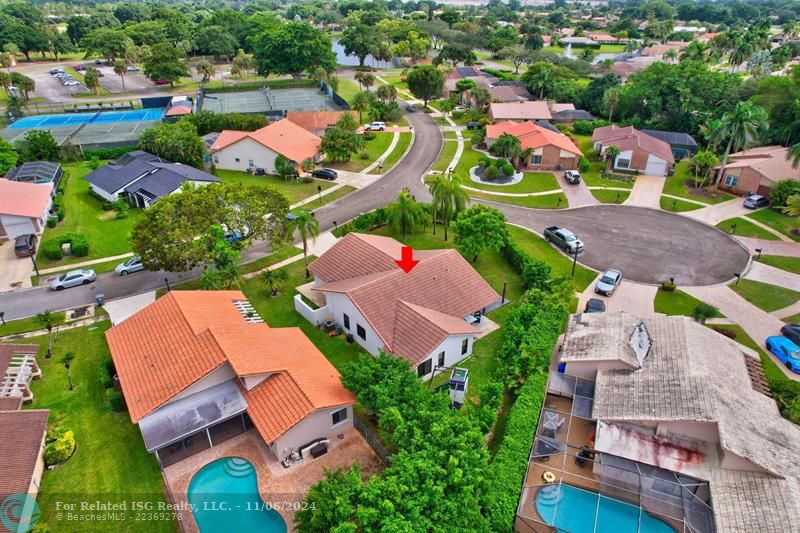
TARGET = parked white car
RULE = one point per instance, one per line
(134, 264)
(376, 126)
(73, 279)
(608, 282)
(71, 83)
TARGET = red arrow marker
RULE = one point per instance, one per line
(407, 261)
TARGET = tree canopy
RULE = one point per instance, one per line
(176, 142)
(480, 228)
(426, 83)
(293, 48)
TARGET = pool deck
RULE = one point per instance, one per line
(275, 483)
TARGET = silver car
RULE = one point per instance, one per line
(73, 279)
(608, 282)
(134, 264)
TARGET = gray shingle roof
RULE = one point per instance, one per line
(694, 374)
(673, 137)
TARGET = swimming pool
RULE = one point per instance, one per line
(571, 509)
(76, 119)
(224, 496)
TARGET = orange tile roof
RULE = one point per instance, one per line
(411, 313)
(314, 121)
(178, 109)
(531, 135)
(183, 336)
(283, 137)
(275, 405)
(23, 199)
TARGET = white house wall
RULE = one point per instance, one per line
(245, 150)
(103, 194)
(451, 347)
(317, 425)
(338, 306)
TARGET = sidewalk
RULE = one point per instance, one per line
(714, 214)
(782, 248)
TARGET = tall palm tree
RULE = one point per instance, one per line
(740, 53)
(611, 101)
(696, 51)
(449, 198)
(405, 214)
(387, 92)
(791, 29)
(792, 207)
(47, 319)
(542, 81)
(121, 69)
(740, 128)
(206, 68)
(794, 154)
(365, 79)
(671, 55)
(304, 223)
(361, 102)
(273, 278)
(611, 152)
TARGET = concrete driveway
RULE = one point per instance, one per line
(15, 272)
(647, 245)
(631, 297)
(646, 192)
(578, 194)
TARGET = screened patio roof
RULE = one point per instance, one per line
(193, 413)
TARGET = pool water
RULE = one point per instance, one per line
(76, 119)
(571, 509)
(224, 496)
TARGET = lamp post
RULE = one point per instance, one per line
(3, 317)
(574, 261)
(738, 277)
(335, 225)
(166, 280)
(33, 258)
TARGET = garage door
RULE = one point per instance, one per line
(16, 226)
(656, 167)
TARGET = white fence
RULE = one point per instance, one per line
(315, 316)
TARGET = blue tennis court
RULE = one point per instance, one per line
(76, 119)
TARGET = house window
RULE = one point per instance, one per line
(237, 159)
(464, 346)
(536, 160)
(731, 181)
(250, 163)
(346, 321)
(425, 368)
(339, 416)
(623, 163)
(441, 359)
(216, 160)
(361, 332)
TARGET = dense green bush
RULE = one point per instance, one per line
(52, 250)
(52, 221)
(105, 373)
(584, 165)
(507, 470)
(79, 246)
(107, 153)
(363, 154)
(116, 399)
(491, 172)
(60, 445)
(362, 223)
(783, 190)
(508, 170)
(60, 214)
(535, 272)
(668, 286)
(586, 127)
(107, 206)
(490, 394)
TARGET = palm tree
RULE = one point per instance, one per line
(387, 92)
(739, 127)
(273, 279)
(794, 154)
(361, 102)
(66, 360)
(740, 53)
(696, 51)
(671, 55)
(542, 81)
(120, 69)
(405, 214)
(47, 319)
(611, 101)
(365, 79)
(481, 96)
(307, 226)
(5, 81)
(611, 152)
(791, 29)
(449, 198)
(206, 68)
(505, 146)
(792, 207)
(632, 45)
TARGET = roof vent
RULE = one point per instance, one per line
(249, 313)
(641, 342)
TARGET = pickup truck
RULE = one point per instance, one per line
(564, 239)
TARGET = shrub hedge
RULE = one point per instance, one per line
(116, 399)
(586, 127)
(108, 153)
(491, 172)
(508, 170)
(535, 272)
(60, 445)
(507, 470)
(365, 222)
(79, 246)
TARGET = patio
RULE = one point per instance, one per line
(275, 483)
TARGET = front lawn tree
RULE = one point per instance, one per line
(362, 102)
(426, 83)
(171, 234)
(405, 214)
(739, 127)
(164, 62)
(480, 228)
(339, 144)
(285, 168)
(702, 162)
(8, 157)
(48, 320)
(38, 145)
(611, 152)
(223, 273)
(176, 142)
(273, 279)
(206, 69)
(387, 93)
(307, 226)
(293, 48)
(91, 80)
(121, 69)
(506, 146)
(365, 79)
(449, 199)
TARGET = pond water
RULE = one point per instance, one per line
(352, 61)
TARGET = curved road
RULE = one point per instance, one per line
(423, 153)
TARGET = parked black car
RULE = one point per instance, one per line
(325, 174)
(595, 305)
(791, 332)
(473, 125)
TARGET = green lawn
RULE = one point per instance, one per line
(677, 206)
(25, 324)
(110, 461)
(374, 149)
(561, 265)
(794, 319)
(399, 149)
(448, 151)
(682, 184)
(84, 214)
(547, 201)
(330, 197)
(531, 182)
(745, 228)
(676, 303)
(395, 79)
(348, 89)
(294, 190)
(469, 158)
(790, 264)
(765, 296)
(275, 257)
(449, 135)
(777, 221)
(610, 196)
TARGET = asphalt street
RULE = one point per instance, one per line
(423, 153)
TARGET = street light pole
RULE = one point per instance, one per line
(3, 317)
(33, 258)
(574, 262)
(167, 282)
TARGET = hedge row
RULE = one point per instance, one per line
(365, 222)
(535, 273)
(510, 463)
(108, 153)
(79, 246)
(586, 127)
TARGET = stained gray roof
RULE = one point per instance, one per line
(141, 171)
(692, 374)
(572, 114)
(673, 137)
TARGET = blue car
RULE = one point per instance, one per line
(785, 350)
